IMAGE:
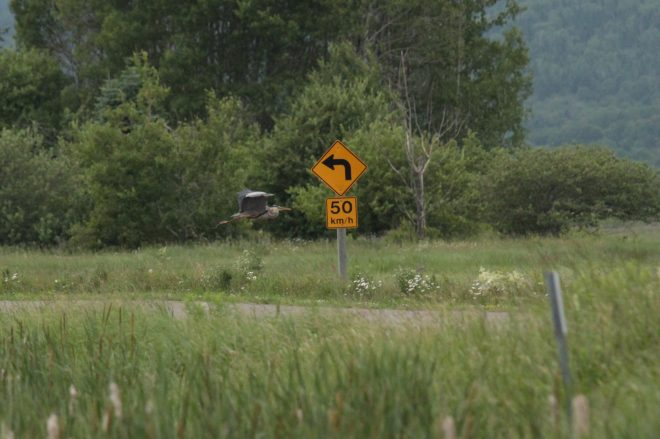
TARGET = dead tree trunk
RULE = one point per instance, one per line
(419, 147)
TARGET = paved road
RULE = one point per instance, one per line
(179, 310)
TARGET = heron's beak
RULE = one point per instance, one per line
(284, 208)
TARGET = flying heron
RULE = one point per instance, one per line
(253, 205)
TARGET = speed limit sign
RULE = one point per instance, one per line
(341, 213)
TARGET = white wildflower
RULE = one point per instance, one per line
(362, 286)
(6, 433)
(415, 282)
(497, 283)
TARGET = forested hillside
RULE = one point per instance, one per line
(595, 65)
(6, 24)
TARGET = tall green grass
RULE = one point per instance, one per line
(292, 271)
(219, 375)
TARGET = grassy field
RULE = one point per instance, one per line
(488, 272)
(119, 371)
(144, 374)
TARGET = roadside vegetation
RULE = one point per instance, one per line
(388, 271)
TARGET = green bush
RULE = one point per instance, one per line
(540, 191)
(415, 282)
(150, 183)
(385, 192)
(39, 195)
(217, 279)
(31, 85)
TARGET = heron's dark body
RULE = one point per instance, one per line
(254, 205)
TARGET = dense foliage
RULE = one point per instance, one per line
(152, 183)
(260, 50)
(38, 194)
(592, 61)
(30, 91)
(549, 191)
(152, 132)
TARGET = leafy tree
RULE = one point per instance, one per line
(262, 50)
(39, 196)
(444, 61)
(256, 49)
(384, 200)
(389, 198)
(215, 160)
(30, 86)
(339, 98)
(129, 176)
(126, 157)
(536, 191)
(151, 183)
(259, 50)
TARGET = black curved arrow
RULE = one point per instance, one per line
(330, 162)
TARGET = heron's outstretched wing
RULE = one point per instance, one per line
(241, 195)
(253, 202)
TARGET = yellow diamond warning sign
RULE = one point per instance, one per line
(341, 213)
(339, 168)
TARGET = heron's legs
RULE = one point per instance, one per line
(234, 217)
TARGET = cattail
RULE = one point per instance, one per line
(149, 407)
(334, 418)
(53, 427)
(554, 411)
(580, 416)
(115, 399)
(73, 397)
(448, 428)
(106, 421)
(5, 433)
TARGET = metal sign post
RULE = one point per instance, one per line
(340, 168)
(341, 254)
(561, 329)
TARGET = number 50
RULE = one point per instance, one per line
(337, 206)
